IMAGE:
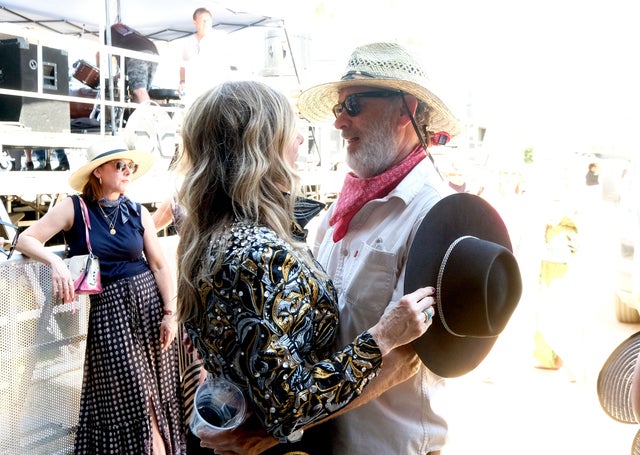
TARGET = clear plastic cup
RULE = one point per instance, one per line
(218, 405)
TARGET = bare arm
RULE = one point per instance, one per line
(162, 216)
(160, 268)
(181, 84)
(31, 243)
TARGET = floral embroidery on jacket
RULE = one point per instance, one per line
(270, 324)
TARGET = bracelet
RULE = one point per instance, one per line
(169, 312)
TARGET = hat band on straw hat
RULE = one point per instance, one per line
(361, 75)
(110, 152)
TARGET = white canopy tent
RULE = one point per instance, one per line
(79, 25)
(166, 20)
(163, 21)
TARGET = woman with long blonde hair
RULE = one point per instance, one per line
(257, 306)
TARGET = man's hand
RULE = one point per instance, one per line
(244, 440)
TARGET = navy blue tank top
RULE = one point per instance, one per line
(120, 255)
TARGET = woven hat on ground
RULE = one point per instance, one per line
(106, 150)
(614, 380)
(463, 249)
(385, 66)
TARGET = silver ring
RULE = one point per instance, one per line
(427, 314)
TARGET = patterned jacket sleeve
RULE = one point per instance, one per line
(276, 321)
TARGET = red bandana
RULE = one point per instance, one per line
(356, 192)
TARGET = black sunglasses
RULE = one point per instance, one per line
(14, 242)
(351, 105)
(121, 166)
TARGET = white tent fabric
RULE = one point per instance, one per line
(158, 19)
(167, 22)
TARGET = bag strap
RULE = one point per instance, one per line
(87, 222)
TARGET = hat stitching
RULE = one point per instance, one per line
(439, 282)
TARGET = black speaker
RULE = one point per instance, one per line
(19, 71)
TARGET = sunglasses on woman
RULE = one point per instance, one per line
(121, 166)
(352, 106)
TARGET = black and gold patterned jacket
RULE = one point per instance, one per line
(270, 324)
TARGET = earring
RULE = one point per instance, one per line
(100, 180)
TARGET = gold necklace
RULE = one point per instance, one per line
(111, 220)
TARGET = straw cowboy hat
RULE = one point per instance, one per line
(382, 65)
(614, 380)
(462, 248)
(108, 150)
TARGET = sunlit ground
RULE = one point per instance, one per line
(507, 406)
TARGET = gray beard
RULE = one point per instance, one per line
(377, 153)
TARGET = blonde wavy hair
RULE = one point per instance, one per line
(235, 137)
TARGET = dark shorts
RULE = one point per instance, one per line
(140, 73)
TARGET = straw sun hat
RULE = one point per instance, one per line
(381, 65)
(614, 384)
(462, 248)
(614, 380)
(108, 150)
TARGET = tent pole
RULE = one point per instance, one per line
(107, 29)
(293, 59)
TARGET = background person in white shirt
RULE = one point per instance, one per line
(205, 62)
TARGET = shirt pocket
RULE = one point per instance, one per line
(371, 284)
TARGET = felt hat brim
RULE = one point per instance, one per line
(452, 218)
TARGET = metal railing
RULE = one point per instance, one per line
(42, 346)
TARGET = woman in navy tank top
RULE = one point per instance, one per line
(130, 400)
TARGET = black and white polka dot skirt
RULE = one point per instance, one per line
(126, 374)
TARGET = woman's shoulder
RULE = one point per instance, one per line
(246, 238)
(246, 247)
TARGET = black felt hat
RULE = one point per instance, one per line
(462, 248)
(614, 380)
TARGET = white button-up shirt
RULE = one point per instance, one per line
(368, 269)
